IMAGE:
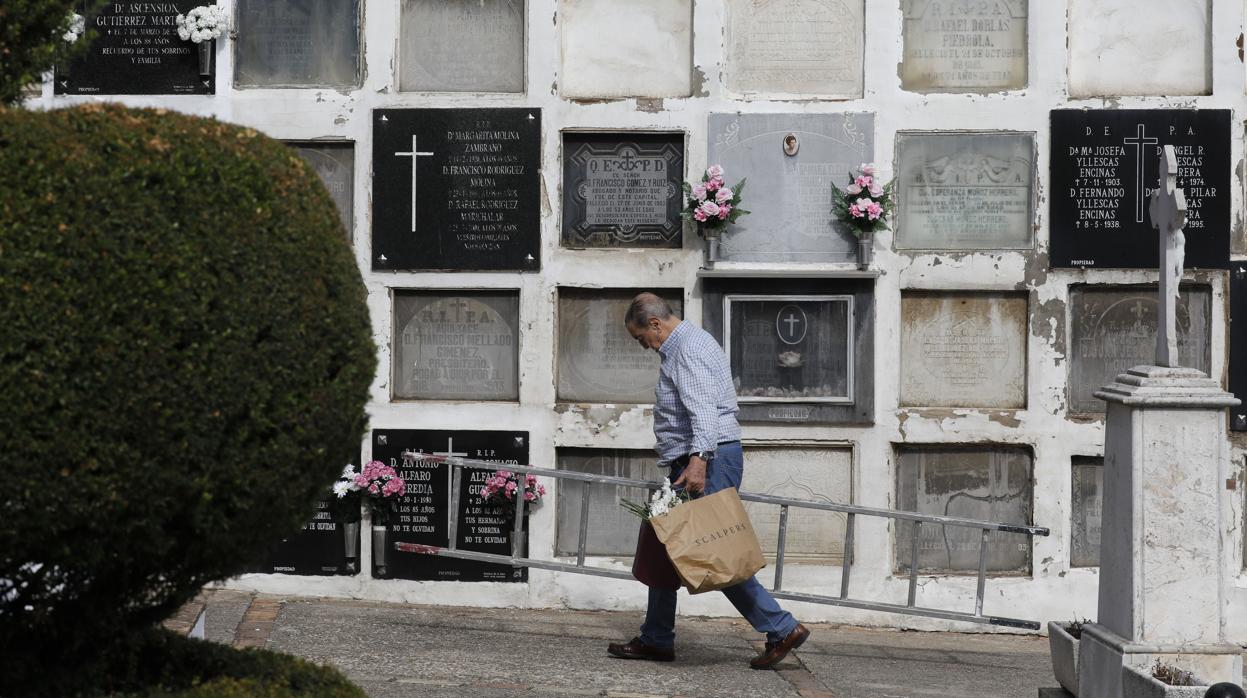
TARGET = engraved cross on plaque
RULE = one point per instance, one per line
(1140, 143)
(415, 154)
(450, 477)
(1168, 211)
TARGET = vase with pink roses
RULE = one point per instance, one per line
(864, 205)
(712, 205)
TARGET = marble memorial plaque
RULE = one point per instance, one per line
(1238, 344)
(789, 196)
(320, 548)
(423, 513)
(335, 163)
(297, 43)
(790, 348)
(965, 191)
(1104, 167)
(456, 345)
(812, 474)
(462, 46)
(1113, 328)
(795, 47)
(956, 46)
(598, 63)
(1086, 510)
(612, 529)
(137, 51)
(986, 483)
(623, 189)
(456, 189)
(963, 349)
(598, 361)
(1128, 48)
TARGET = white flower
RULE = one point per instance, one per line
(183, 33)
(349, 470)
(341, 487)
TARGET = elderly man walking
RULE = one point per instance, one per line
(699, 440)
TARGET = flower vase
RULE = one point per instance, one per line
(380, 550)
(865, 250)
(712, 244)
(205, 57)
(350, 545)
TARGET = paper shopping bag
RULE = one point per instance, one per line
(710, 541)
(651, 566)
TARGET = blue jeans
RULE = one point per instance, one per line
(750, 598)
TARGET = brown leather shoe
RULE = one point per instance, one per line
(635, 649)
(775, 653)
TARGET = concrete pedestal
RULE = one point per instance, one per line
(1164, 557)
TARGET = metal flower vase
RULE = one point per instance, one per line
(711, 236)
(350, 544)
(380, 549)
(205, 56)
(865, 250)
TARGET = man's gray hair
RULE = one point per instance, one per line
(646, 306)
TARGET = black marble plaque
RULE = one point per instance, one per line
(1104, 165)
(1238, 344)
(423, 515)
(623, 189)
(325, 546)
(456, 189)
(137, 51)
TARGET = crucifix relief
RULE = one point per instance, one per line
(1168, 211)
(1140, 143)
(414, 154)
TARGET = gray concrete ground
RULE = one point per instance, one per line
(393, 650)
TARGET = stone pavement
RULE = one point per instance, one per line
(393, 650)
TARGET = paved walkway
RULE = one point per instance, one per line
(393, 650)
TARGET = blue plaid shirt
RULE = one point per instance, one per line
(695, 400)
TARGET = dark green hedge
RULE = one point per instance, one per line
(185, 355)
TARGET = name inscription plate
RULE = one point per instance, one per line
(623, 190)
(957, 46)
(456, 346)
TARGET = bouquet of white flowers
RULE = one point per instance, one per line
(77, 27)
(663, 501)
(203, 23)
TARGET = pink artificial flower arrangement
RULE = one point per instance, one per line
(865, 203)
(712, 204)
(382, 485)
(501, 488)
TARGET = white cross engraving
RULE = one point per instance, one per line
(1168, 211)
(1140, 143)
(450, 477)
(414, 155)
(791, 320)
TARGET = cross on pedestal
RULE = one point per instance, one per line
(415, 154)
(1140, 143)
(1168, 211)
(450, 476)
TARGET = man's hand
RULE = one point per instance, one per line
(693, 478)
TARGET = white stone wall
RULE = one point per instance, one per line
(1054, 590)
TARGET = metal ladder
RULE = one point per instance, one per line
(517, 559)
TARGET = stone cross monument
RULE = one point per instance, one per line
(1168, 211)
(1165, 560)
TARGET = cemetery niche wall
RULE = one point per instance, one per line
(953, 46)
(612, 529)
(297, 43)
(623, 189)
(810, 471)
(789, 195)
(1086, 510)
(795, 47)
(462, 46)
(335, 163)
(1104, 165)
(456, 189)
(965, 190)
(804, 354)
(963, 349)
(1113, 328)
(598, 361)
(137, 51)
(456, 345)
(423, 513)
(989, 483)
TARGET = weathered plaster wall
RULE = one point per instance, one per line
(1053, 591)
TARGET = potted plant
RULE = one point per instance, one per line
(864, 205)
(1063, 646)
(711, 205)
(202, 25)
(382, 485)
(1161, 681)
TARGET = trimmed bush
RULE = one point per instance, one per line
(185, 356)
